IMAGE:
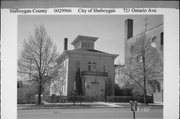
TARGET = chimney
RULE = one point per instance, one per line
(65, 43)
(128, 29)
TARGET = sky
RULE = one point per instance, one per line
(108, 28)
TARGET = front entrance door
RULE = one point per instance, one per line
(95, 89)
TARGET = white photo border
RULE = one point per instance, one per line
(9, 58)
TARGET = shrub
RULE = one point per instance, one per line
(140, 99)
(25, 95)
(119, 98)
(122, 92)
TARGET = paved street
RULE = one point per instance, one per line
(88, 113)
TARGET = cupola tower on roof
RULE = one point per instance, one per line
(84, 42)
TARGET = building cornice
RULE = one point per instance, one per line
(82, 52)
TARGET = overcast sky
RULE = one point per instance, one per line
(108, 28)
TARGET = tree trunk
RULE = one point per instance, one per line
(39, 94)
(145, 98)
(144, 72)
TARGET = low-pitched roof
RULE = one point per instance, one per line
(87, 51)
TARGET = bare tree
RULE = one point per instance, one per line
(37, 58)
(59, 77)
(145, 64)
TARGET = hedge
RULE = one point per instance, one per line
(127, 99)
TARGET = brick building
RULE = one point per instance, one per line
(155, 36)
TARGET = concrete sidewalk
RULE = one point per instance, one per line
(65, 105)
(82, 105)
